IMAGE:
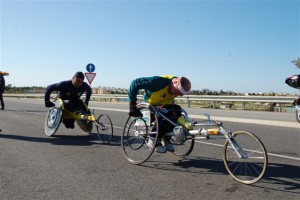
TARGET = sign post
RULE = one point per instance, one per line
(90, 75)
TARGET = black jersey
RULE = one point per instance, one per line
(67, 91)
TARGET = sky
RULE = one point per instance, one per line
(230, 45)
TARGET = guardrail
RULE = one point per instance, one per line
(280, 100)
(244, 99)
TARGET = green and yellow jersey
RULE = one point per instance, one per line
(156, 90)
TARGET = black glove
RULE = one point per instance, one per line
(134, 111)
(49, 104)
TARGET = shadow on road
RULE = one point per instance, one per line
(75, 140)
(189, 165)
(278, 177)
(284, 177)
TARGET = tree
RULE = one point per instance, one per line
(296, 62)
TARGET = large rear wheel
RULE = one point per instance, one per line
(140, 136)
(86, 126)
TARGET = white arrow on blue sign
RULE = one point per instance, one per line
(90, 67)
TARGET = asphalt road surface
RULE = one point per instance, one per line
(73, 165)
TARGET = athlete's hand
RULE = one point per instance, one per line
(134, 111)
(49, 104)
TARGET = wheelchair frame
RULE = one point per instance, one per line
(56, 114)
(245, 156)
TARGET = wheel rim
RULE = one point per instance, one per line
(53, 120)
(183, 149)
(104, 129)
(138, 139)
(85, 126)
(250, 168)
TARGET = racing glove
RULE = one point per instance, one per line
(49, 104)
(134, 111)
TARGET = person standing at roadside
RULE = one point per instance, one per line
(2, 87)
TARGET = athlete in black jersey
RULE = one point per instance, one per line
(70, 92)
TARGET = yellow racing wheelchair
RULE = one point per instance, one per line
(55, 115)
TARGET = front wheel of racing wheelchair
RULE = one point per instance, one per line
(140, 136)
(56, 114)
(104, 128)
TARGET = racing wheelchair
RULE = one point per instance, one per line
(85, 121)
(244, 155)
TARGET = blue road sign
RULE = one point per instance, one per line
(90, 67)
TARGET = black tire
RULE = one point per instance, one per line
(139, 137)
(104, 128)
(250, 168)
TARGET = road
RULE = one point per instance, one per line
(72, 165)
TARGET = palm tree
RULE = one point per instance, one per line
(297, 62)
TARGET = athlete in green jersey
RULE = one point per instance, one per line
(159, 91)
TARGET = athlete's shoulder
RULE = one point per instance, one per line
(167, 76)
(160, 82)
(86, 86)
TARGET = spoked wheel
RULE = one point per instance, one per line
(139, 136)
(104, 128)
(53, 119)
(183, 149)
(252, 164)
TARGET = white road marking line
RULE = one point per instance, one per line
(251, 121)
(270, 154)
